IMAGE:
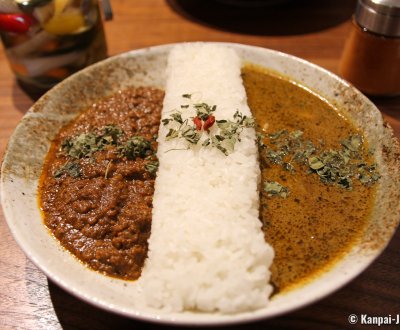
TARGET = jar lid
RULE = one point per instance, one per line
(379, 16)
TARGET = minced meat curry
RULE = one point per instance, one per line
(98, 182)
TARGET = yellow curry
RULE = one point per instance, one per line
(309, 222)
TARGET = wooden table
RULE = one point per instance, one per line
(311, 29)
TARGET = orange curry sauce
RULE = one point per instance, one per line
(316, 223)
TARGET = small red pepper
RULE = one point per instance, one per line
(197, 121)
(17, 23)
(209, 122)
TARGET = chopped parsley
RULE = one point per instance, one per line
(136, 146)
(152, 166)
(70, 168)
(273, 188)
(338, 167)
(198, 130)
(85, 145)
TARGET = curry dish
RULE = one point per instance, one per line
(99, 205)
(97, 183)
(317, 222)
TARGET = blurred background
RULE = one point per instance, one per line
(304, 28)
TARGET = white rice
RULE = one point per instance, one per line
(206, 251)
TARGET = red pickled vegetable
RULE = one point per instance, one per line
(198, 123)
(209, 122)
(17, 23)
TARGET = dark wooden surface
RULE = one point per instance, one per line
(312, 29)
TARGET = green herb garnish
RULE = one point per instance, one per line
(152, 166)
(136, 146)
(203, 110)
(273, 188)
(70, 168)
(86, 144)
(223, 138)
(336, 167)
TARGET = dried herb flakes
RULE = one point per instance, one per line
(335, 167)
(223, 138)
(85, 145)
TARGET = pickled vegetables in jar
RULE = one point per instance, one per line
(47, 40)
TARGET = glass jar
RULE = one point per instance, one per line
(371, 56)
(47, 40)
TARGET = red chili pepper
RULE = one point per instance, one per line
(209, 122)
(17, 23)
(197, 121)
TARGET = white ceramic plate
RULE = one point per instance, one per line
(30, 142)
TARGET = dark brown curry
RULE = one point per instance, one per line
(97, 198)
(99, 205)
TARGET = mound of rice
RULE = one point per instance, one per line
(206, 251)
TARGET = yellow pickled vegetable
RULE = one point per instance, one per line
(65, 23)
(59, 6)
